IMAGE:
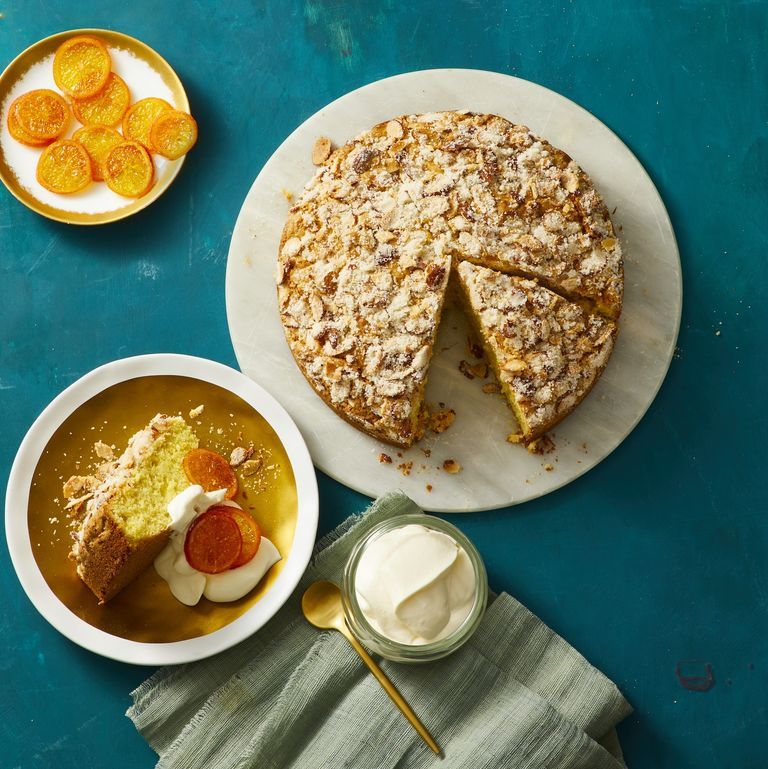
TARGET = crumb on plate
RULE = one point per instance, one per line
(439, 421)
(103, 451)
(252, 466)
(321, 150)
(239, 455)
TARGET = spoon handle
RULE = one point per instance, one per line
(390, 689)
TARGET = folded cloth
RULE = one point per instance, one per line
(515, 696)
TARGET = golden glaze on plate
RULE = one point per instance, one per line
(145, 610)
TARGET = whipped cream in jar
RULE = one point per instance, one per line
(414, 588)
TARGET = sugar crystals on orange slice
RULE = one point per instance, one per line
(173, 134)
(18, 133)
(81, 66)
(64, 167)
(97, 140)
(138, 121)
(128, 169)
(107, 107)
(42, 114)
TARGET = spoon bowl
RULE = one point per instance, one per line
(322, 606)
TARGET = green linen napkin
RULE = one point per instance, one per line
(515, 696)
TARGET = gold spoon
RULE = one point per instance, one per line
(321, 604)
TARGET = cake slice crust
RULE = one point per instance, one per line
(546, 351)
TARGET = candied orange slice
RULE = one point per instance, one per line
(128, 169)
(213, 542)
(107, 107)
(210, 470)
(140, 117)
(64, 167)
(81, 66)
(42, 114)
(19, 133)
(173, 134)
(97, 140)
(249, 531)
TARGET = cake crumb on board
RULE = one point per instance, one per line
(321, 150)
(474, 348)
(439, 421)
(451, 466)
(543, 445)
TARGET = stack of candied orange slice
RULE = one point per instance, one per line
(101, 102)
(223, 537)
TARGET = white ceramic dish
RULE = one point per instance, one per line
(34, 443)
(495, 473)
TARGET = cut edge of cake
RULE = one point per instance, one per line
(609, 305)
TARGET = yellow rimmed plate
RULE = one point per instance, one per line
(39, 200)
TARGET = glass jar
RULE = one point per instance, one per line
(395, 650)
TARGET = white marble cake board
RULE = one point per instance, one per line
(494, 473)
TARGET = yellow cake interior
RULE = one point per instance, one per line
(140, 505)
(490, 354)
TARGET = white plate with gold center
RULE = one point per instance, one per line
(494, 473)
(144, 624)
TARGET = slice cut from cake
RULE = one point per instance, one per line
(546, 352)
(126, 522)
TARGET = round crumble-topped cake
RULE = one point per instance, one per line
(368, 249)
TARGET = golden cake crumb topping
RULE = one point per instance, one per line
(547, 352)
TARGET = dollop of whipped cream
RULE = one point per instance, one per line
(188, 584)
(415, 585)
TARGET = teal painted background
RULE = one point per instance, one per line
(657, 555)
